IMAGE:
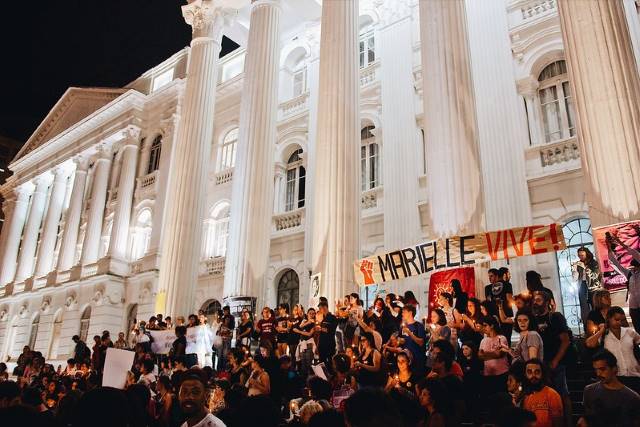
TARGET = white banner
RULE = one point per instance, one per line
(116, 365)
(199, 340)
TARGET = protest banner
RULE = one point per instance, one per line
(196, 336)
(616, 245)
(314, 290)
(117, 364)
(458, 251)
(440, 282)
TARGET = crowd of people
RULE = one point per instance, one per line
(391, 364)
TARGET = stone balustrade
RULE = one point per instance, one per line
(212, 266)
(551, 158)
(368, 74)
(288, 220)
(224, 176)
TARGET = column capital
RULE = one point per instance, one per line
(208, 18)
(168, 125)
(61, 172)
(262, 3)
(103, 152)
(43, 181)
(81, 161)
(130, 135)
(280, 169)
(24, 191)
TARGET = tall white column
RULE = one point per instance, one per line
(189, 167)
(51, 222)
(126, 185)
(400, 139)
(145, 154)
(252, 193)
(528, 89)
(453, 174)
(14, 231)
(74, 213)
(502, 128)
(336, 208)
(32, 229)
(606, 89)
(93, 233)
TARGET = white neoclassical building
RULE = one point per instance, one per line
(339, 128)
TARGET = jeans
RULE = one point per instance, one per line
(583, 297)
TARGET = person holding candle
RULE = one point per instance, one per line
(601, 301)
(439, 331)
(282, 329)
(467, 322)
(368, 365)
(413, 339)
(307, 346)
(402, 377)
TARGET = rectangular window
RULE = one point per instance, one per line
(299, 82)
(301, 185)
(291, 190)
(367, 49)
(568, 102)
(373, 165)
(551, 113)
(363, 167)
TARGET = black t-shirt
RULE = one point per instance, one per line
(229, 321)
(497, 294)
(294, 338)
(282, 323)
(244, 327)
(327, 340)
(550, 327)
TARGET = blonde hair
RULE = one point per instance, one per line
(308, 410)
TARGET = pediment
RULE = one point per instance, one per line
(73, 106)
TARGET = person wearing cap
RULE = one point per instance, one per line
(193, 402)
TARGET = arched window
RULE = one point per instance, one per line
(295, 186)
(367, 44)
(289, 288)
(577, 233)
(85, 319)
(210, 308)
(33, 334)
(55, 336)
(554, 92)
(227, 152)
(141, 235)
(132, 316)
(154, 154)
(216, 232)
(369, 159)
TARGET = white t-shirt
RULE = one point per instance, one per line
(209, 421)
(623, 350)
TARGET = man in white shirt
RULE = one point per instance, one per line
(193, 400)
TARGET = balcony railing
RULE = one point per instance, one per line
(368, 74)
(288, 220)
(293, 106)
(224, 176)
(147, 185)
(536, 8)
(554, 157)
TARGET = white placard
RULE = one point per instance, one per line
(116, 365)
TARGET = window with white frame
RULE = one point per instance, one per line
(33, 334)
(216, 232)
(141, 234)
(369, 159)
(85, 320)
(227, 152)
(295, 182)
(299, 82)
(556, 103)
(154, 154)
(367, 48)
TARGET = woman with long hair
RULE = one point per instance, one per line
(282, 329)
(530, 344)
(434, 398)
(402, 377)
(493, 351)
(586, 273)
(168, 409)
(468, 322)
(460, 297)
(237, 371)
(369, 364)
(439, 331)
(245, 328)
(259, 381)
(601, 301)
(307, 346)
(296, 318)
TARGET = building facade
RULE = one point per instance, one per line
(107, 187)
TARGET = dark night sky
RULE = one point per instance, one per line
(49, 45)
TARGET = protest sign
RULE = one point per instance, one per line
(440, 282)
(197, 336)
(616, 245)
(458, 251)
(117, 364)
